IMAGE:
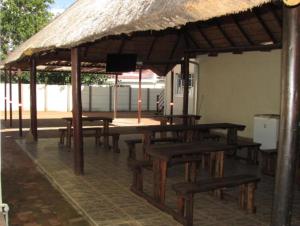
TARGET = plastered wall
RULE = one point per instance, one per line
(235, 87)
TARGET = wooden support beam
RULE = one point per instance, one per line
(33, 108)
(5, 94)
(224, 33)
(242, 30)
(235, 49)
(205, 37)
(172, 95)
(173, 50)
(265, 26)
(288, 148)
(185, 72)
(273, 10)
(116, 96)
(191, 38)
(140, 97)
(20, 102)
(151, 47)
(77, 112)
(10, 98)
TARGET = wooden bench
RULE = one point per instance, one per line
(185, 193)
(131, 143)
(86, 131)
(137, 168)
(252, 150)
(268, 161)
(115, 140)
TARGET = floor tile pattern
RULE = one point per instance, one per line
(103, 194)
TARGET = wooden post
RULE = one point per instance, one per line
(5, 94)
(289, 118)
(185, 72)
(116, 96)
(33, 109)
(140, 96)
(129, 101)
(77, 112)
(110, 99)
(90, 97)
(148, 99)
(157, 103)
(20, 102)
(10, 98)
(172, 96)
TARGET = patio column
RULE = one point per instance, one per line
(33, 109)
(289, 118)
(185, 71)
(116, 96)
(10, 98)
(20, 102)
(140, 97)
(172, 95)
(77, 112)
(5, 94)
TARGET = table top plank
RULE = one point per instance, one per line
(169, 151)
(173, 128)
(93, 118)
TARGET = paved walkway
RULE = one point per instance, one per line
(103, 192)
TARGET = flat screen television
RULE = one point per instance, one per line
(121, 62)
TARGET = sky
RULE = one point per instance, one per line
(60, 5)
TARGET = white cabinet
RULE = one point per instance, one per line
(265, 131)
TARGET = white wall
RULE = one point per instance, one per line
(233, 88)
(59, 98)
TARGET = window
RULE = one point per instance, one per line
(179, 84)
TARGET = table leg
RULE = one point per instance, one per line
(105, 134)
(232, 136)
(69, 134)
(159, 180)
(163, 122)
(146, 143)
(190, 171)
(219, 171)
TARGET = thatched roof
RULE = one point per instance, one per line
(90, 20)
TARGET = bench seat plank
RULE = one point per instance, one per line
(205, 185)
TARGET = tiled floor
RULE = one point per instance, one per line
(103, 194)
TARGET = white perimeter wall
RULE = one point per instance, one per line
(233, 88)
(94, 98)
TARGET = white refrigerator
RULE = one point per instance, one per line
(266, 130)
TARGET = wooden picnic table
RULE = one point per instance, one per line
(105, 120)
(189, 119)
(148, 132)
(187, 153)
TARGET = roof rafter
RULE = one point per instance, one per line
(205, 36)
(152, 47)
(264, 25)
(242, 30)
(224, 33)
(179, 34)
(190, 37)
(273, 9)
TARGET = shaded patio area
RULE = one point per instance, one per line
(103, 194)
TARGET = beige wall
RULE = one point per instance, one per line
(233, 88)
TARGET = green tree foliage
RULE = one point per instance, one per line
(20, 19)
